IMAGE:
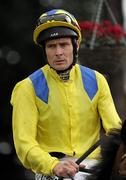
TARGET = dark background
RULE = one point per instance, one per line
(19, 57)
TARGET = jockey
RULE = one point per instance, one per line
(58, 109)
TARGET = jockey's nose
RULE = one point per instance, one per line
(59, 50)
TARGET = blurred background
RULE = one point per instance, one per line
(19, 57)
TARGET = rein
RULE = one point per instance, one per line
(84, 156)
(89, 151)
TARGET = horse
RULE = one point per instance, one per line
(112, 165)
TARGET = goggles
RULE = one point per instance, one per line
(56, 17)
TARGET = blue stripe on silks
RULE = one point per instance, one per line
(89, 81)
(40, 85)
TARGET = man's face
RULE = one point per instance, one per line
(59, 53)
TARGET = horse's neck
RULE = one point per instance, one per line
(118, 158)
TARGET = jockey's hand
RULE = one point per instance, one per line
(66, 169)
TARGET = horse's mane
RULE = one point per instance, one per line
(123, 132)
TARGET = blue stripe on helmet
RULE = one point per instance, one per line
(89, 81)
(51, 12)
(40, 85)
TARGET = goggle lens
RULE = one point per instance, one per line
(56, 17)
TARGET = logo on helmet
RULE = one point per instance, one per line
(54, 34)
